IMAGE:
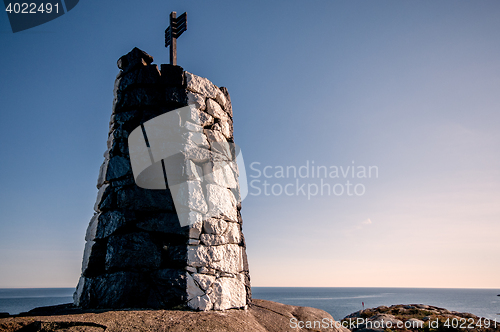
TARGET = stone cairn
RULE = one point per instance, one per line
(137, 254)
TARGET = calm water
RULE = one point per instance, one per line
(339, 302)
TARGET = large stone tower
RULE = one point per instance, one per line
(165, 248)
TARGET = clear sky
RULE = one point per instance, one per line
(410, 87)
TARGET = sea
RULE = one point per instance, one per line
(337, 301)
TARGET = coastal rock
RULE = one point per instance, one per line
(261, 316)
(413, 317)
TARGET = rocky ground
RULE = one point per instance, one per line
(261, 316)
(417, 317)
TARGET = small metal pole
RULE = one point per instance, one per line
(173, 40)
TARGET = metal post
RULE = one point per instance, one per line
(173, 39)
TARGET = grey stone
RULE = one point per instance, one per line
(108, 223)
(92, 228)
(93, 258)
(135, 97)
(172, 75)
(142, 75)
(118, 167)
(132, 251)
(134, 59)
(104, 200)
(115, 290)
(135, 198)
(166, 222)
(169, 289)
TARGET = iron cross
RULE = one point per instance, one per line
(177, 26)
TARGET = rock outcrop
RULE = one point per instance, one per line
(261, 316)
(151, 246)
(416, 317)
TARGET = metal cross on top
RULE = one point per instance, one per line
(177, 26)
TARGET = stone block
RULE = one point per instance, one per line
(118, 167)
(104, 198)
(93, 258)
(132, 251)
(197, 100)
(170, 288)
(224, 258)
(136, 97)
(221, 202)
(204, 87)
(140, 76)
(162, 222)
(172, 75)
(115, 290)
(134, 59)
(201, 303)
(214, 226)
(135, 198)
(204, 281)
(229, 293)
(108, 223)
(192, 288)
(190, 194)
(228, 107)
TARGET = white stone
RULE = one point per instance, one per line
(229, 293)
(192, 171)
(221, 202)
(192, 288)
(191, 114)
(196, 138)
(204, 87)
(203, 280)
(213, 240)
(214, 226)
(219, 144)
(220, 173)
(194, 220)
(197, 100)
(190, 194)
(225, 258)
(214, 109)
(203, 303)
(193, 127)
(233, 234)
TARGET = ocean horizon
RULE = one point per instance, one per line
(337, 301)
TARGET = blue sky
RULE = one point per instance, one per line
(408, 87)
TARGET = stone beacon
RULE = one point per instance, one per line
(166, 248)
